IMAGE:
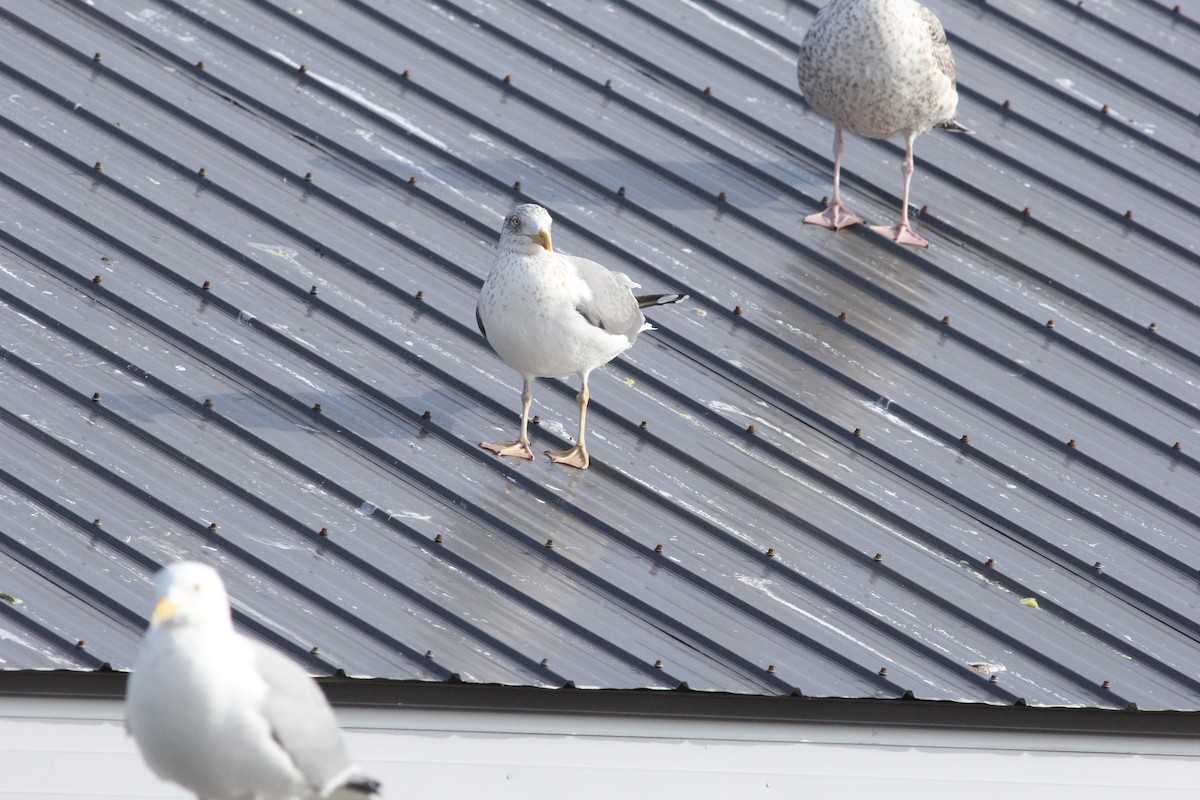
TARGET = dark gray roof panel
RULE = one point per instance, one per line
(266, 346)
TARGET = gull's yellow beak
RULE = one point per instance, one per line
(163, 611)
(542, 237)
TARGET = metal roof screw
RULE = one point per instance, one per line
(843, 316)
(1027, 212)
(1106, 685)
(438, 539)
(608, 84)
(1007, 104)
(858, 431)
(324, 532)
(879, 558)
(1177, 447)
(883, 672)
(965, 439)
(658, 664)
(315, 650)
(770, 669)
(1176, 10)
(1153, 327)
(200, 66)
(924, 210)
(206, 286)
(991, 562)
(96, 522)
(508, 79)
(96, 279)
(317, 407)
(406, 74)
(81, 643)
(1098, 565)
(203, 173)
(302, 69)
(98, 166)
(750, 429)
(1104, 108)
(420, 295)
(994, 679)
(429, 654)
(96, 57)
(412, 181)
(96, 397)
(313, 290)
(620, 191)
(208, 403)
(550, 544)
(1129, 214)
(308, 177)
(427, 415)
(1072, 444)
(708, 90)
(771, 553)
(643, 424)
(738, 311)
(1049, 323)
(516, 186)
(545, 662)
(537, 419)
(946, 320)
(212, 527)
(721, 197)
(658, 549)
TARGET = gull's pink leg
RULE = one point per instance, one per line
(519, 448)
(903, 233)
(577, 456)
(835, 215)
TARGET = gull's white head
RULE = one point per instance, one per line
(526, 229)
(189, 593)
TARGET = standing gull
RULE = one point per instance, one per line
(225, 716)
(882, 69)
(550, 315)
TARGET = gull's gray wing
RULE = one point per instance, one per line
(302, 722)
(612, 307)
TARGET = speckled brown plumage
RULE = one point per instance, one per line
(882, 69)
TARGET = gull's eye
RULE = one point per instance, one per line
(513, 223)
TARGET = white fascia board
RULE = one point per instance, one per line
(77, 748)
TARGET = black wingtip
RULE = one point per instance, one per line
(648, 300)
(363, 786)
(954, 126)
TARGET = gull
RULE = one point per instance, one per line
(225, 716)
(550, 315)
(882, 69)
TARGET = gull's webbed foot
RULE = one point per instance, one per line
(576, 457)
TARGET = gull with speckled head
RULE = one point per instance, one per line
(882, 69)
(550, 315)
(225, 716)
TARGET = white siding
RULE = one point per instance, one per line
(58, 749)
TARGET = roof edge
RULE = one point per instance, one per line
(679, 703)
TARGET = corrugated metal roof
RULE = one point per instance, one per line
(241, 247)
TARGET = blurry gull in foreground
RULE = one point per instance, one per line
(225, 716)
(550, 315)
(882, 69)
